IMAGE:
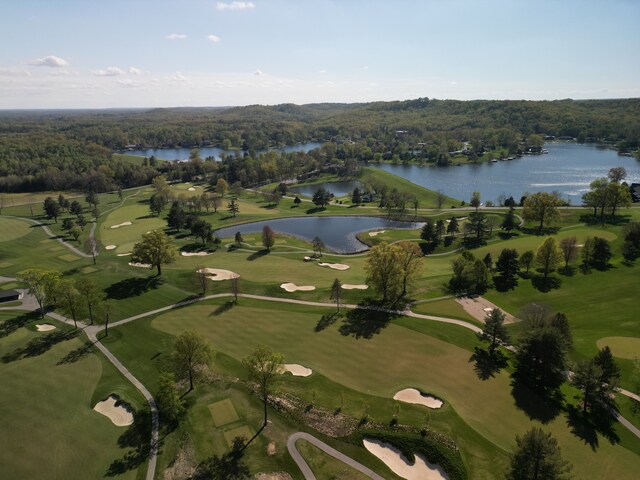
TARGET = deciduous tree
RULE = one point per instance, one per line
(39, 283)
(170, 402)
(542, 207)
(91, 294)
(384, 272)
(569, 249)
(232, 207)
(548, 256)
(155, 248)
(92, 247)
(190, 355)
(268, 237)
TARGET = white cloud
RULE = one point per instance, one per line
(453, 82)
(126, 82)
(213, 38)
(176, 36)
(12, 72)
(108, 72)
(49, 61)
(258, 72)
(134, 71)
(179, 77)
(235, 6)
(322, 71)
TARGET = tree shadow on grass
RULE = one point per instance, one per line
(545, 285)
(363, 322)
(535, 406)
(587, 426)
(257, 255)
(132, 287)
(505, 284)
(326, 321)
(40, 345)
(77, 354)
(137, 440)
(222, 308)
(487, 365)
(313, 210)
(9, 326)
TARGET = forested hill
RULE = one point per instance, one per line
(41, 149)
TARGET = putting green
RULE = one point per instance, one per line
(11, 229)
(622, 347)
(223, 412)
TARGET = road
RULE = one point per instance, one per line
(304, 467)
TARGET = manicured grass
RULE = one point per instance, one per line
(12, 229)
(325, 466)
(125, 236)
(444, 308)
(49, 429)
(223, 412)
(621, 347)
(394, 359)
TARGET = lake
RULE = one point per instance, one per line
(568, 168)
(337, 188)
(338, 233)
(182, 153)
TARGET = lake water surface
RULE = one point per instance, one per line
(182, 153)
(338, 233)
(568, 168)
(337, 188)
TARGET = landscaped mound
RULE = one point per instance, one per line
(297, 370)
(117, 412)
(218, 274)
(350, 286)
(421, 469)
(45, 327)
(335, 266)
(123, 224)
(292, 287)
(412, 395)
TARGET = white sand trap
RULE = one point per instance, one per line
(195, 254)
(335, 266)
(123, 224)
(349, 286)
(140, 265)
(191, 189)
(297, 370)
(307, 259)
(392, 458)
(124, 254)
(110, 247)
(412, 395)
(45, 327)
(119, 415)
(218, 274)
(373, 234)
(292, 287)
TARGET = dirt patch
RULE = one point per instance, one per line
(292, 287)
(480, 307)
(271, 449)
(183, 466)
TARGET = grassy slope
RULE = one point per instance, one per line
(49, 429)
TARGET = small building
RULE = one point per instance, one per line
(634, 188)
(10, 296)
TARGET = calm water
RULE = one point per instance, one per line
(338, 233)
(183, 153)
(337, 188)
(568, 168)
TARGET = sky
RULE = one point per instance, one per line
(166, 53)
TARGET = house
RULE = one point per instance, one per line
(10, 295)
(634, 188)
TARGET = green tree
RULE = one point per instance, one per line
(176, 216)
(541, 358)
(336, 290)
(617, 174)
(569, 249)
(157, 202)
(318, 246)
(631, 245)
(321, 197)
(221, 186)
(92, 247)
(525, 260)
(507, 266)
(238, 239)
(232, 207)
(40, 283)
(203, 230)
(537, 457)
(75, 208)
(71, 300)
(356, 196)
(51, 209)
(560, 322)
(542, 207)
(68, 224)
(453, 227)
(410, 258)
(75, 232)
(170, 402)
(610, 370)
(618, 195)
(155, 248)
(190, 355)
(548, 256)
(384, 271)
(601, 252)
(268, 237)
(494, 330)
(264, 367)
(586, 378)
(428, 231)
(475, 201)
(509, 222)
(91, 294)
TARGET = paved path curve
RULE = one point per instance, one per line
(304, 467)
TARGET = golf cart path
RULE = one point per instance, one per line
(304, 467)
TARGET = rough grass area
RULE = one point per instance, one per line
(621, 347)
(325, 466)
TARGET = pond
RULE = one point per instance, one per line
(337, 233)
(568, 168)
(339, 189)
(182, 153)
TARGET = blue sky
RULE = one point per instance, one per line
(159, 53)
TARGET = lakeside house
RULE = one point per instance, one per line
(10, 296)
(634, 188)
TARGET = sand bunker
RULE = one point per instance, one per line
(480, 307)
(373, 234)
(292, 287)
(191, 189)
(349, 286)
(195, 254)
(217, 274)
(140, 265)
(392, 458)
(124, 254)
(45, 327)
(412, 395)
(123, 224)
(297, 370)
(110, 247)
(120, 415)
(335, 266)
